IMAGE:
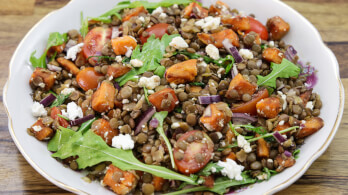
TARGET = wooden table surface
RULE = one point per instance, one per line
(327, 175)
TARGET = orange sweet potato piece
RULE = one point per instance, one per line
(241, 85)
(158, 183)
(134, 12)
(40, 131)
(119, 186)
(285, 161)
(216, 116)
(52, 50)
(102, 128)
(273, 55)
(164, 100)
(68, 65)
(229, 136)
(182, 72)
(117, 70)
(54, 115)
(239, 23)
(195, 9)
(278, 27)
(217, 38)
(218, 8)
(232, 156)
(103, 98)
(262, 148)
(311, 126)
(47, 77)
(250, 107)
(268, 107)
(306, 96)
(282, 127)
(208, 181)
(88, 78)
(120, 45)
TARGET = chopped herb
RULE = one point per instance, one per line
(160, 71)
(60, 100)
(101, 57)
(208, 169)
(178, 110)
(198, 84)
(146, 94)
(126, 60)
(269, 173)
(296, 153)
(63, 117)
(258, 130)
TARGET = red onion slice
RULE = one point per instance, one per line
(143, 119)
(154, 123)
(287, 153)
(279, 137)
(117, 85)
(81, 120)
(290, 53)
(48, 100)
(53, 68)
(209, 99)
(232, 50)
(243, 118)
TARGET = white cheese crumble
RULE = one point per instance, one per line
(124, 142)
(38, 110)
(42, 85)
(125, 101)
(149, 83)
(271, 43)
(212, 51)
(262, 176)
(118, 59)
(129, 51)
(163, 15)
(178, 43)
(284, 99)
(202, 63)
(175, 125)
(136, 63)
(220, 71)
(37, 128)
(67, 91)
(231, 169)
(310, 105)
(73, 111)
(72, 51)
(209, 23)
(242, 143)
(142, 19)
(246, 54)
(158, 10)
(281, 122)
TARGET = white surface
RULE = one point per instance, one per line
(303, 36)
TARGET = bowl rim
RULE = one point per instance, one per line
(275, 189)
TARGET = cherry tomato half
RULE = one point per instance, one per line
(158, 29)
(88, 78)
(258, 27)
(94, 43)
(193, 151)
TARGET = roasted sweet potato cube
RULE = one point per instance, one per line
(40, 131)
(182, 72)
(231, 156)
(164, 100)
(218, 8)
(68, 65)
(217, 38)
(277, 27)
(268, 107)
(158, 183)
(121, 45)
(241, 85)
(216, 116)
(103, 99)
(102, 128)
(306, 96)
(310, 126)
(281, 127)
(194, 9)
(117, 70)
(239, 23)
(285, 161)
(134, 12)
(44, 76)
(250, 106)
(262, 148)
(121, 182)
(273, 55)
(52, 50)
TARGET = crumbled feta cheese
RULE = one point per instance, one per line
(118, 59)
(220, 71)
(231, 169)
(209, 23)
(242, 143)
(142, 19)
(67, 91)
(38, 110)
(213, 169)
(136, 63)
(262, 176)
(246, 54)
(37, 128)
(129, 51)
(202, 63)
(271, 43)
(284, 99)
(310, 105)
(212, 51)
(178, 43)
(73, 111)
(158, 10)
(281, 122)
(175, 6)
(149, 83)
(125, 101)
(163, 15)
(175, 125)
(124, 142)
(42, 85)
(150, 91)
(173, 85)
(72, 51)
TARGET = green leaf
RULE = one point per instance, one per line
(269, 173)
(38, 62)
(86, 125)
(63, 117)
(60, 100)
(198, 84)
(146, 93)
(207, 170)
(220, 186)
(258, 130)
(178, 110)
(160, 116)
(285, 69)
(160, 70)
(62, 136)
(296, 153)
(91, 149)
(84, 26)
(151, 55)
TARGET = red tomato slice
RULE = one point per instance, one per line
(197, 154)
(54, 114)
(95, 41)
(258, 27)
(88, 78)
(158, 29)
(250, 106)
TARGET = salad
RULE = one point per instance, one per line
(173, 97)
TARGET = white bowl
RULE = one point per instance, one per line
(303, 36)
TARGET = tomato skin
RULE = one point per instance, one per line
(94, 43)
(250, 107)
(188, 164)
(88, 78)
(157, 98)
(158, 29)
(54, 114)
(257, 27)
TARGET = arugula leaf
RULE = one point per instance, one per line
(296, 153)
(269, 173)
(285, 69)
(63, 117)
(160, 116)
(54, 39)
(59, 139)
(207, 170)
(258, 130)
(198, 84)
(84, 26)
(160, 70)
(92, 149)
(151, 55)
(146, 93)
(86, 125)
(220, 185)
(60, 100)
